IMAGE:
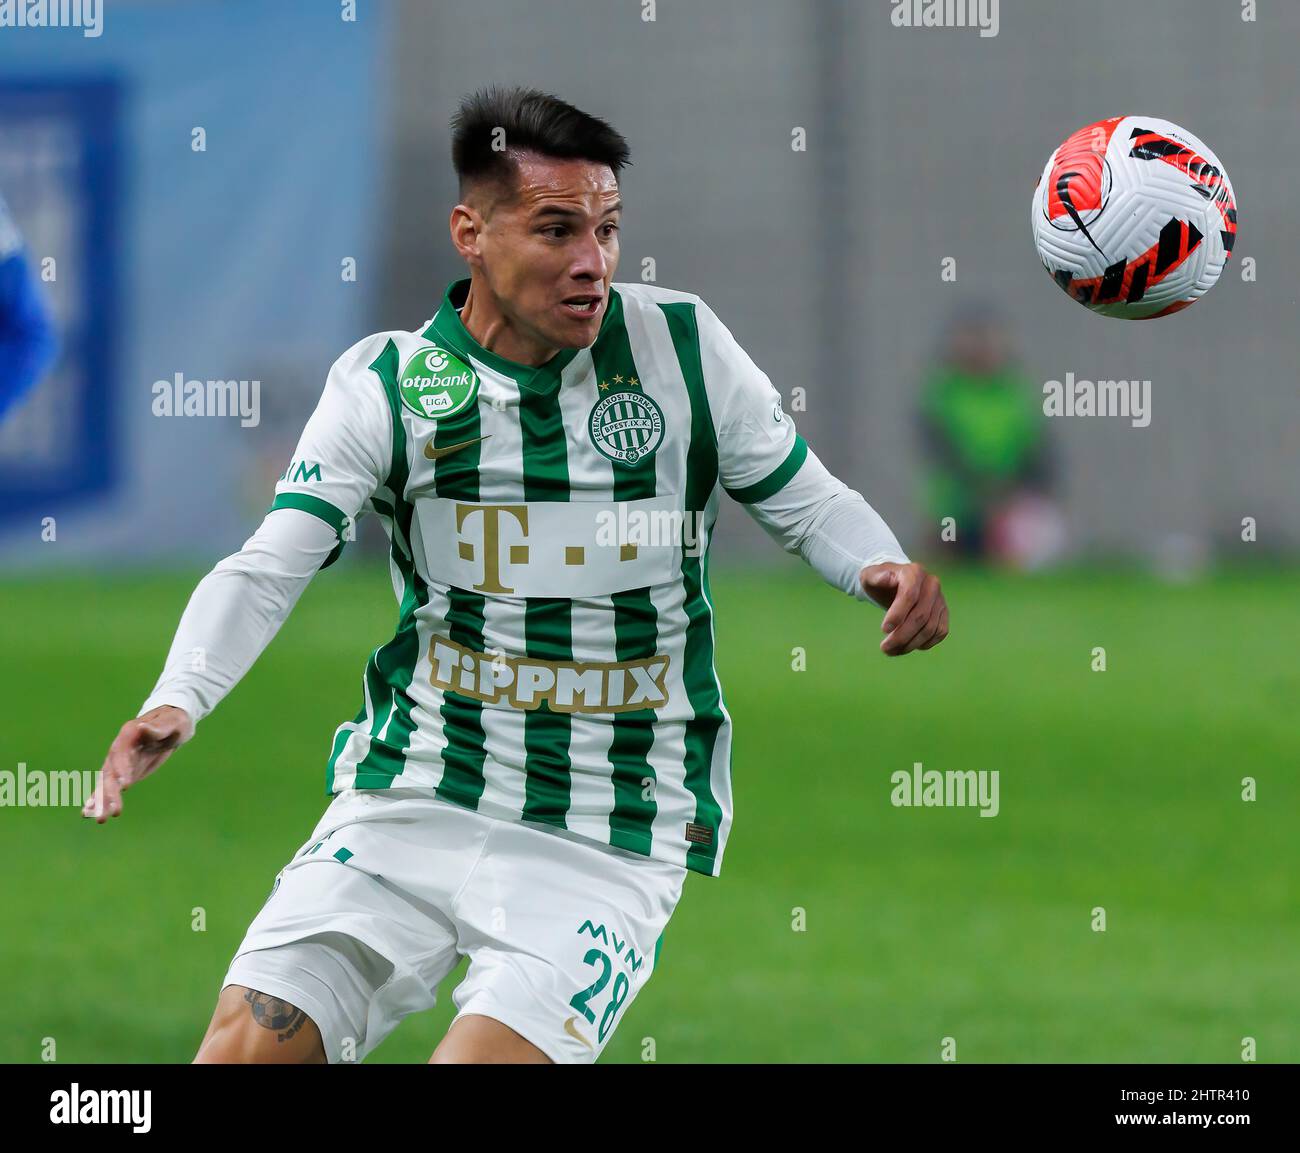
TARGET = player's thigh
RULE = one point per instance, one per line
(561, 937)
(477, 1040)
(353, 932)
(251, 1027)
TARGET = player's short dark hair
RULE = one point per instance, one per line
(532, 121)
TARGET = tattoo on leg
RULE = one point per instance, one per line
(273, 1013)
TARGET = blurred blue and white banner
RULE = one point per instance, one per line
(190, 236)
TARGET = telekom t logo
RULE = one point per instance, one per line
(493, 515)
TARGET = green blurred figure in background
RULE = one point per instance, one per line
(990, 466)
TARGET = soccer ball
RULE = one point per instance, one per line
(1134, 217)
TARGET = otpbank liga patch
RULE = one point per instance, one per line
(436, 383)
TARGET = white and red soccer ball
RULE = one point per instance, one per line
(1134, 217)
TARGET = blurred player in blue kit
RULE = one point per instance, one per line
(27, 341)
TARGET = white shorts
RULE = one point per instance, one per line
(393, 887)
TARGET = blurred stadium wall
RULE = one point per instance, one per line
(329, 139)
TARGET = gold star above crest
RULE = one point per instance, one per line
(633, 382)
(618, 379)
(604, 387)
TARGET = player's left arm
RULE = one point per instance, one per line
(768, 467)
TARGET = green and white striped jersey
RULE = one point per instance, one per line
(553, 659)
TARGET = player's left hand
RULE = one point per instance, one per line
(917, 614)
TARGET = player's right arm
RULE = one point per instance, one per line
(344, 454)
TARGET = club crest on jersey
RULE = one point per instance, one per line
(626, 426)
(436, 383)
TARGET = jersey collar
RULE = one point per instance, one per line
(448, 329)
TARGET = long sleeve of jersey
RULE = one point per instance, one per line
(768, 467)
(236, 609)
(830, 525)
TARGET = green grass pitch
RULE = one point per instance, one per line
(1119, 789)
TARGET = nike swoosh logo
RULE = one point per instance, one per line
(438, 453)
(568, 1028)
(1063, 191)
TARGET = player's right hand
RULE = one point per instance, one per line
(140, 747)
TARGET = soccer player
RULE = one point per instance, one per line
(542, 749)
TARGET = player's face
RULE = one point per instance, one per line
(549, 255)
